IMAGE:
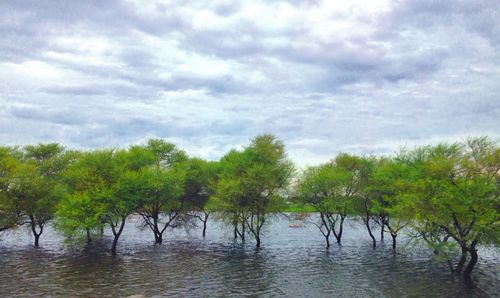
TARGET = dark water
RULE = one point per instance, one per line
(292, 262)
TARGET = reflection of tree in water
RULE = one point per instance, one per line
(91, 271)
(247, 270)
(292, 262)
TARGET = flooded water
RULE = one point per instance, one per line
(292, 262)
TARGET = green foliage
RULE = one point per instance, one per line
(332, 189)
(200, 183)
(9, 208)
(456, 195)
(456, 188)
(448, 193)
(91, 181)
(252, 183)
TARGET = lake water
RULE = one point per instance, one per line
(292, 262)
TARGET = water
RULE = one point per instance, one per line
(291, 262)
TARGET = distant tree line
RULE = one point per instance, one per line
(446, 195)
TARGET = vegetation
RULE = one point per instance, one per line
(251, 184)
(445, 195)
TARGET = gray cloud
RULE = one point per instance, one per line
(366, 78)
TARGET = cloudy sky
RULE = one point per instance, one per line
(364, 77)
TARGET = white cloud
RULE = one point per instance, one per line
(325, 76)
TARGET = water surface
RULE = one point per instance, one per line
(291, 262)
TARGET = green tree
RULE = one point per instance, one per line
(252, 183)
(365, 201)
(159, 192)
(10, 211)
(200, 186)
(331, 189)
(90, 182)
(457, 196)
(389, 187)
(38, 186)
(159, 188)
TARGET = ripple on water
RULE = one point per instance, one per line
(292, 262)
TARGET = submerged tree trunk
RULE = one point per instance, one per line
(36, 233)
(117, 234)
(473, 260)
(367, 224)
(235, 231)
(338, 235)
(394, 235)
(325, 224)
(254, 223)
(382, 232)
(462, 260)
(242, 235)
(327, 239)
(152, 220)
(89, 239)
(205, 224)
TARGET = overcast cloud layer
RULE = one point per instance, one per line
(324, 77)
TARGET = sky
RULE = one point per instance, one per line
(364, 77)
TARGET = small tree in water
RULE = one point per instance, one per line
(388, 187)
(200, 185)
(10, 166)
(38, 187)
(456, 197)
(160, 188)
(86, 206)
(252, 182)
(331, 189)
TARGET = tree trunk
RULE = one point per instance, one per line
(235, 231)
(327, 238)
(117, 234)
(463, 258)
(472, 262)
(338, 235)
(89, 239)
(205, 224)
(257, 238)
(37, 237)
(394, 241)
(367, 223)
(204, 228)
(33, 230)
(113, 246)
(382, 232)
(158, 238)
(243, 232)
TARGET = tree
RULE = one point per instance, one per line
(159, 192)
(38, 186)
(364, 202)
(252, 183)
(331, 189)
(159, 188)
(230, 194)
(101, 191)
(388, 186)
(10, 213)
(90, 183)
(456, 196)
(123, 199)
(200, 184)
(315, 189)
